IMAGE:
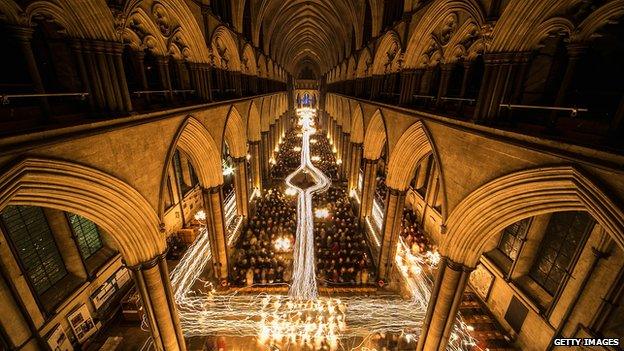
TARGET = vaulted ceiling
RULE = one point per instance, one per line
(310, 33)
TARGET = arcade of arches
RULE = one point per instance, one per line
(311, 175)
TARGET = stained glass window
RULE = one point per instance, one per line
(563, 238)
(30, 233)
(511, 238)
(86, 233)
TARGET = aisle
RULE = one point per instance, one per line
(303, 285)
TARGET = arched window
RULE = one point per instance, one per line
(564, 237)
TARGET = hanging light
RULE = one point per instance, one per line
(228, 170)
(200, 215)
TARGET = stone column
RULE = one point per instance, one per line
(338, 146)
(468, 67)
(64, 238)
(407, 78)
(22, 317)
(271, 141)
(240, 186)
(575, 53)
(329, 128)
(215, 224)
(208, 81)
(121, 77)
(163, 73)
(99, 49)
(502, 83)
(354, 169)
(114, 77)
(94, 76)
(154, 287)
(443, 305)
(393, 216)
(445, 77)
(346, 155)
(275, 138)
(139, 57)
(376, 87)
(23, 35)
(82, 71)
(425, 83)
(368, 188)
(256, 166)
(264, 148)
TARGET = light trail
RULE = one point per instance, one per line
(303, 285)
(303, 318)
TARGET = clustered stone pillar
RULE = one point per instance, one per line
(368, 188)
(338, 148)
(265, 152)
(200, 80)
(272, 142)
(215, 223)
(502, 81)
(443, 305)
(354, 168)
(24, 37)
(346, 154)
(154, 287)
(240, 179)
(445, 78)
(256, 166)
(104, 76)
(330, 129)
(395, 201)
(575, 53)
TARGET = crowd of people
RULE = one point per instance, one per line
(342, 253)
(322, 156)
(289, 156)
(262, 255)
(413, 234)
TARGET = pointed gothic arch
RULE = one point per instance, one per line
(510, 198)
(107, 201)
(375, 137)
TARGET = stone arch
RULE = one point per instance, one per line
(387, 54)
(364, 63)
(522, 24)
(169, 24)
(343, 71)
(195, 140)
(598, 19)
(413, 146)
(248, 61)
(253, 122)
(375, 137)
(265, 114)
(234, 133)
(510, 198)
(357, 125)
(351, 68)
(346, 116)
(464, 42)
(421, 40)
(107, 201)
(87, 20)
(262, 68)
(225, 49)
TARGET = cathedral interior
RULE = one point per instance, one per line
(272, 175)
